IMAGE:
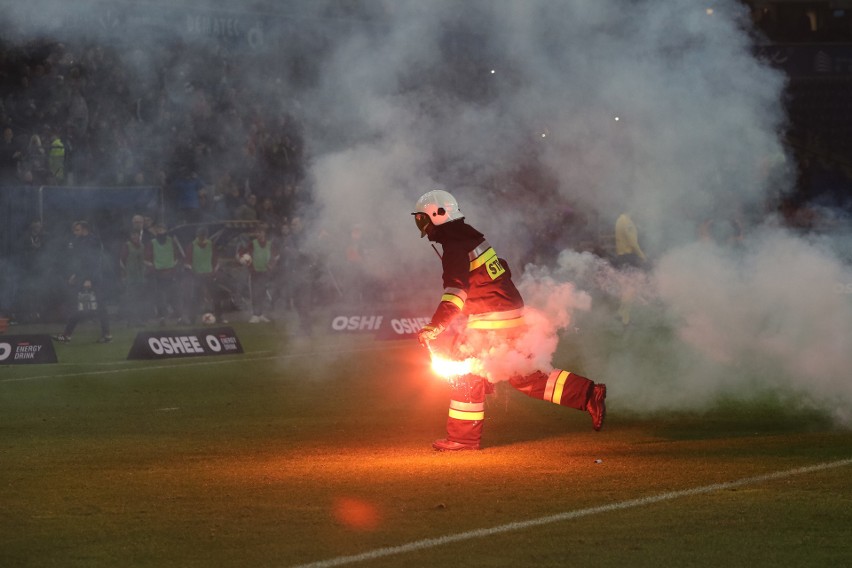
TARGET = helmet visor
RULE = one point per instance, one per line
(423, 223)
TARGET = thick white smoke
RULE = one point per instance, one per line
(528, 110)
(770, 316)
(550, 308)
(657, 108)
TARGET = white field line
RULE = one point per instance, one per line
(187, 362)
(569, 515)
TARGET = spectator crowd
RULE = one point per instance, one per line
(83, 112)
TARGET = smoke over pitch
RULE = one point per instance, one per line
(654, 106)
(659, 109)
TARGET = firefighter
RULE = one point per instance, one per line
(478, 285)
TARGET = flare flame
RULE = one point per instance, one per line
(449, 368)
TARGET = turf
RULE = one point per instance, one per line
(308, 451)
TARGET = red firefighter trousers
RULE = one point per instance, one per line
(467, 400)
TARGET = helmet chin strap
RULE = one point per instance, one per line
(436, 251)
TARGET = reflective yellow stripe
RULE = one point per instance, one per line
(555, 384)
(491, 324)
(560, 384)
(482, 259)
(498, 316)
(467, 406)
(455, 296)
(551, 380)
(477, 252)
(471, 416)
(497, 320)
(467, 410)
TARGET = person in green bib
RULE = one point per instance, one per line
(202, 262)
(164, 257)
(264, 257)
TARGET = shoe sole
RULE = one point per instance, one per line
(459, 449)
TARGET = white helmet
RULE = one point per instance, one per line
(434, 208)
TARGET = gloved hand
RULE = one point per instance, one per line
(428, 333)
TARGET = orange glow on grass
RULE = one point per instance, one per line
(356, 514)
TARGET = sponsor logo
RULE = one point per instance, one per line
(357, 323)
(407, 326)
(384, 325)
(195, 343)
(27, 349)
(185, 344)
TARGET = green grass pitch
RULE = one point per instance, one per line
(301, 452)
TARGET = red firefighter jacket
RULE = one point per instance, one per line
(477, 283)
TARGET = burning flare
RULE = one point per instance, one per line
(448, 368)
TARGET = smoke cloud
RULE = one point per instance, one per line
(660, 110)
(547, 120)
